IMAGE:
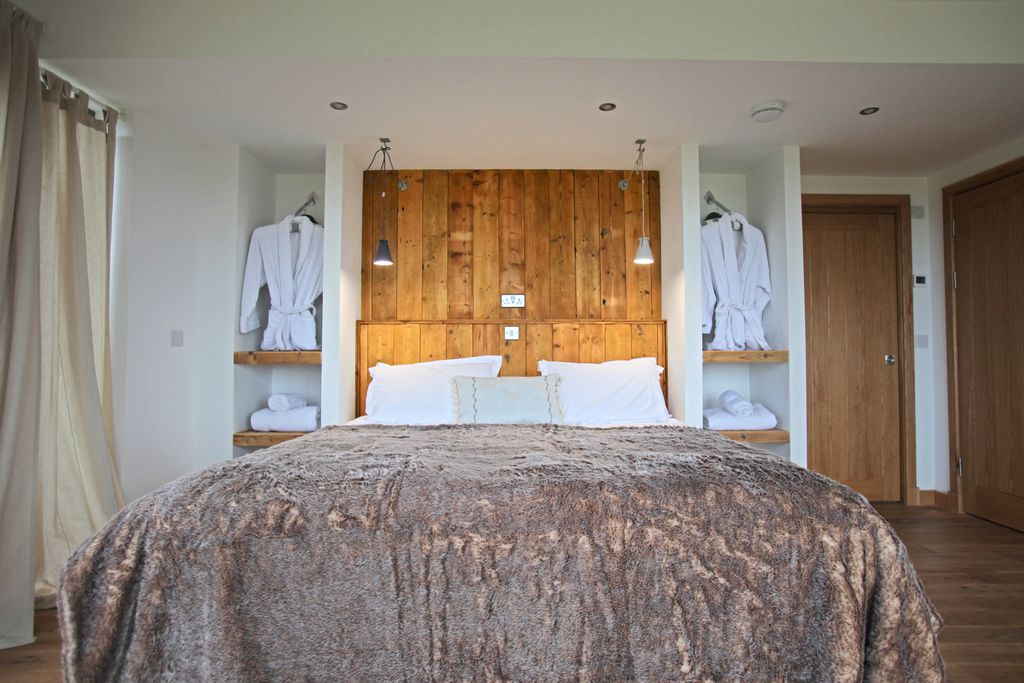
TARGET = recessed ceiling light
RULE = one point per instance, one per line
(607, 106)
(339, 106)
(766, 111)
(868, 111)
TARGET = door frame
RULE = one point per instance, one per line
(899, 206)
(949, 194)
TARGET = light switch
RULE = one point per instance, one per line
(513, 300)
(921, 341)
(177, 337)
(511, 332)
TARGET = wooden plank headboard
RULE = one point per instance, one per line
(460, 239)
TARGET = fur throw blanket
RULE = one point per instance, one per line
(498, 553)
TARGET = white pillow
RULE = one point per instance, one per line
(625, 392)
(507, 400)
(421, 393)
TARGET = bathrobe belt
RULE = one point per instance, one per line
(289, 314)
(726, 315)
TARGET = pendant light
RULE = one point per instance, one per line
(644, 255)
(382, 257)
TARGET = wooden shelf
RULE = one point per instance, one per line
(264, 439)
(277, 357)
(746, 356)
(757, 435)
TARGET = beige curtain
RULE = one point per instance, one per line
(76, 481)
(20, 149)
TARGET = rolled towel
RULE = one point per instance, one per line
(760, 418)
(281, 402)
(305, 419)
(731, 402)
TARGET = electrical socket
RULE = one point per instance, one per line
(511, 333)
(513, 300)
(177, 337)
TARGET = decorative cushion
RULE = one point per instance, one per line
(507, 400)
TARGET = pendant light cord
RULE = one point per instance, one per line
(638, 169)
(385, 161)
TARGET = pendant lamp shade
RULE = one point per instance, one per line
(644, 255)
(383, 255)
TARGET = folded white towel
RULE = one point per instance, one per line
(305, 419)
(286, 402)
(731, 402)
(760, 418)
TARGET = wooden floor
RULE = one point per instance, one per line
(973, 572)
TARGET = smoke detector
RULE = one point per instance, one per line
(766, 111)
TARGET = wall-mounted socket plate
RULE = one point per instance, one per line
(511, 332)
(917, 212)
(513, 300)
(177, 337)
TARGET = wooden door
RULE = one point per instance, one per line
(851, 289)
(989, 330)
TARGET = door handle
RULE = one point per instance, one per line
(890, 359)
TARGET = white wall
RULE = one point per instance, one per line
(174, 232)
(343, 219)
(680, 303)
(769, 195)
(292, 189)
(255, 207)
(773, 204)
(185, 211)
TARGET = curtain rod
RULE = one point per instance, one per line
(102, 105)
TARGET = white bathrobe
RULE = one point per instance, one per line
(736, 284)
(293, 290)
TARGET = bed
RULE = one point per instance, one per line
(499, 552)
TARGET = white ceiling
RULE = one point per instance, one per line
(517, 83)
(879, 31)
(523, 112)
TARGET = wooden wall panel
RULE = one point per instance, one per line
(460, 245)
(638, 278)
(613, 247)
(384, 298)
(409, 259)
(366, 282)
(486, 245)
(654, 228)
(460, 239)
(538, 346)
(587, 224)
(511, 239)
(407, 344)
(433, 342)
(586, 341)
(565, 342)
(537, 215)
(460, 340)
(435, 245)
(561, 245)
